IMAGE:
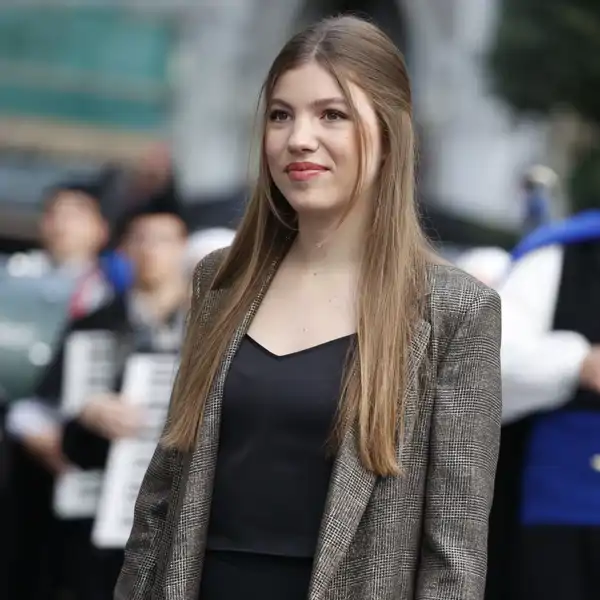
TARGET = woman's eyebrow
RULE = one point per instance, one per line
(322, 102)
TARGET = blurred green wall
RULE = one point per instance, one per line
(103, 67)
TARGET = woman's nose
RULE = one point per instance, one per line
(303, 137)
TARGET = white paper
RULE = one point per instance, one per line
(89, 368)
(148, 382)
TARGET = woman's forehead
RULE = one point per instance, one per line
(312, 85)
(306, 84)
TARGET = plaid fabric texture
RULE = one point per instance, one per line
(418, 536)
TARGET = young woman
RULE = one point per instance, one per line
(334, 426)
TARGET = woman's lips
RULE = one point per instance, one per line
(305, 175)
(303, 171)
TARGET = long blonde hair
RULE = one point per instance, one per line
(393, 276)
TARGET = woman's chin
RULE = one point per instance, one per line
(305, 204)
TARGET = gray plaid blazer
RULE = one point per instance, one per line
(419, 536)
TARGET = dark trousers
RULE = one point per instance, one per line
(560, 563)
(40, 556)
(504, 555)
(86, 572)
(26, 522)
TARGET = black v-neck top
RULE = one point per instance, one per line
(274, 460)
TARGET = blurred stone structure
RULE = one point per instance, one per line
(472, 150)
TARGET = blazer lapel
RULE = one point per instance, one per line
(184, 572)
(352, 485)
(349, 492)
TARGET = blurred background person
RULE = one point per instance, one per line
(73, 231)
(545, 524)
(63, 279)
(149, 317)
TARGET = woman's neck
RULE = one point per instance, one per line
(328, 244)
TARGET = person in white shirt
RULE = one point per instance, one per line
(545, 523)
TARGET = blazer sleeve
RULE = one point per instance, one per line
(464, 444)
(143, 548)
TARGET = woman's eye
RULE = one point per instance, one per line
(278, 115)
(334, 115)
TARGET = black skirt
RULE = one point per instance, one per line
(239, 575)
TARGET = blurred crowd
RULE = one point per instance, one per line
(116, 259)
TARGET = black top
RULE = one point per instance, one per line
(275, 460)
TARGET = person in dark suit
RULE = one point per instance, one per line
(73, 230)
(335, 422)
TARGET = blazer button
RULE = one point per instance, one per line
(595, 462)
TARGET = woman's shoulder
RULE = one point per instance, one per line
(207, 269)
(209, 265)
(450, 284)
(454, 293)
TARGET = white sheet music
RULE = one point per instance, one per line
(89, 368)
(148, 383)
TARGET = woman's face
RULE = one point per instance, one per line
(311, 141)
